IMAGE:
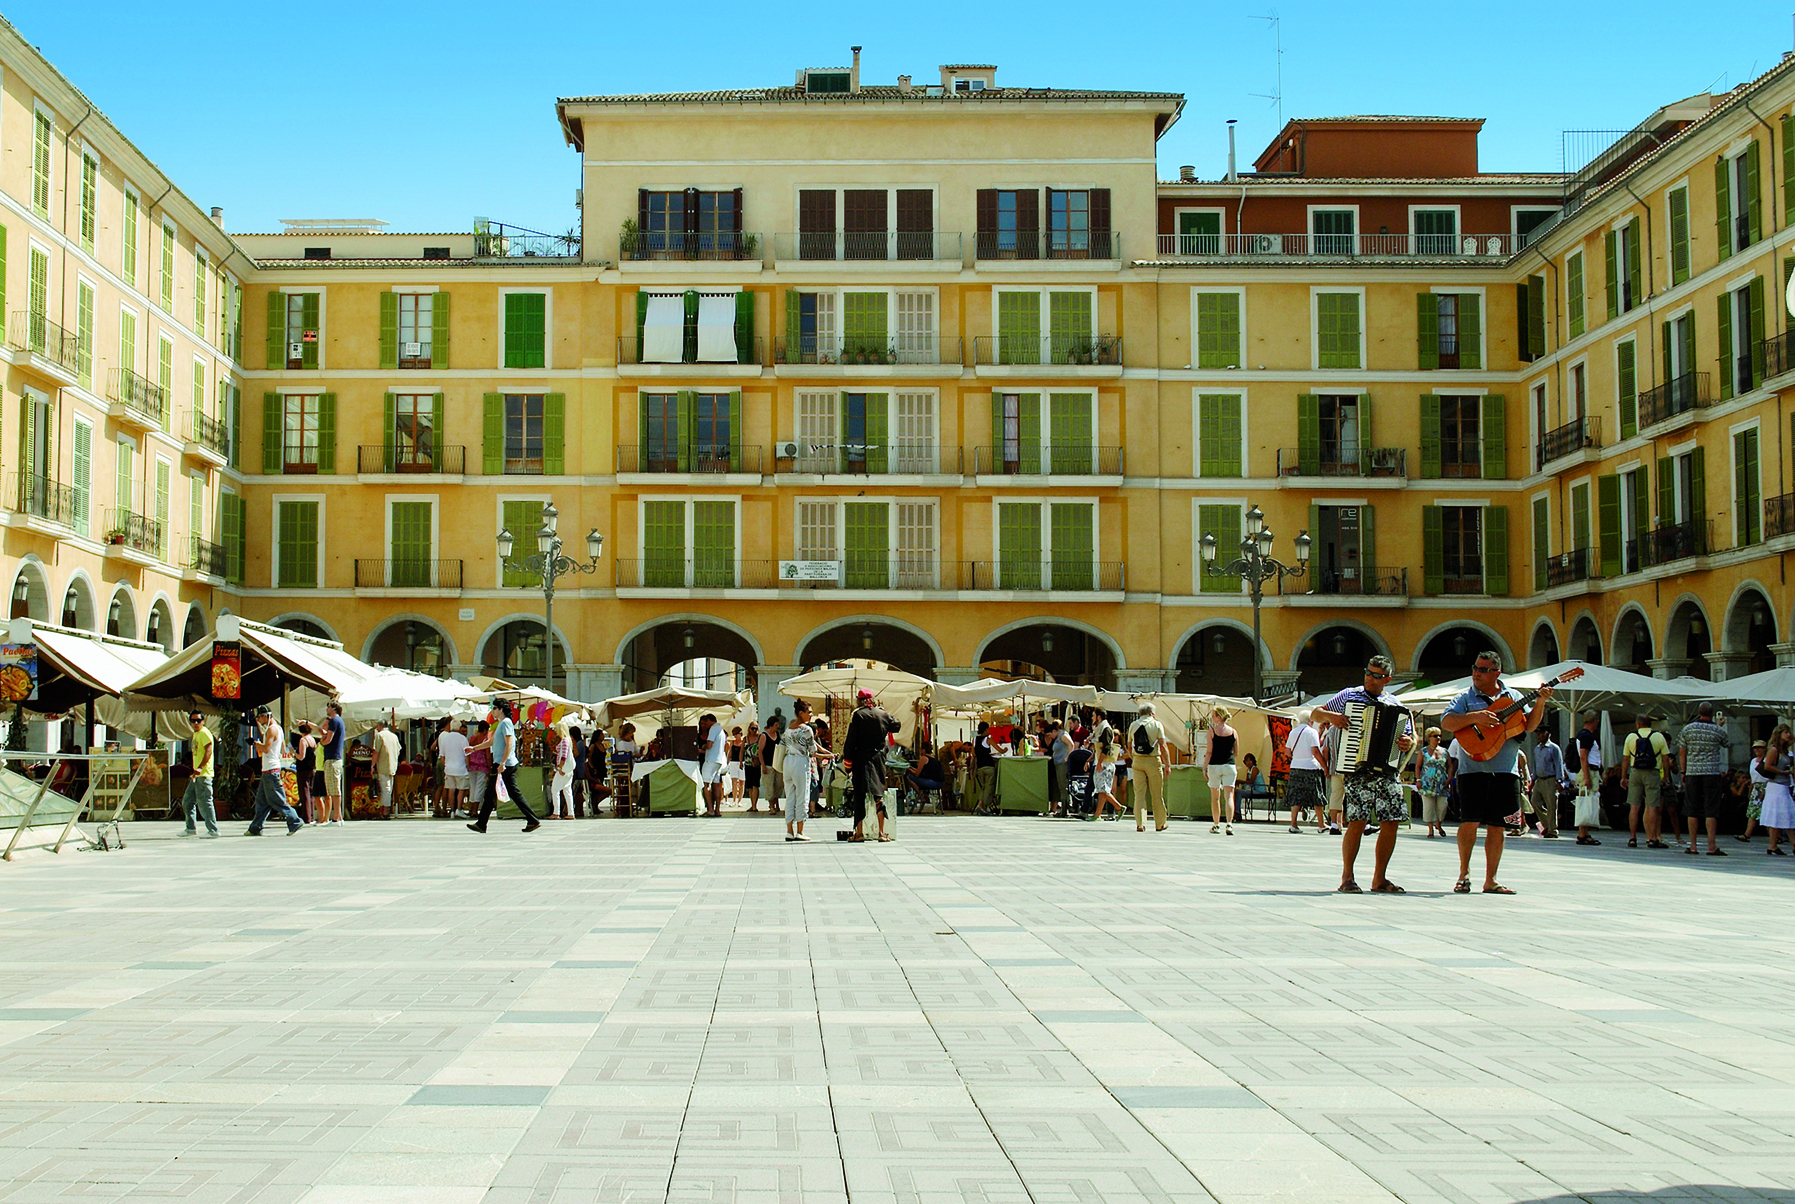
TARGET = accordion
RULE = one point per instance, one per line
(1368, 742)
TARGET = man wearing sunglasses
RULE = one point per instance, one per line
(1488, 791)
(1372, 794)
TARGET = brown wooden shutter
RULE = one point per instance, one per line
(863, 223)
(738, 211)
(916, 210)
(987, 210)
(691, 210)
(1099, 217)
(641, 208)
(1028, 224)
(816, 211)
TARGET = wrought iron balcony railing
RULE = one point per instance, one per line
(1335, 461)
(1340, 246)
(697, 457)
(688, 245)
(36, 333)
(720, 571)
(1676, 396)
(495, 240)
(939, 245)
(1055, 573)
(1779, 354)
(204, 557)
(894, 458)
(1667, 542)
(1044, 244)
(1578, 564)
(1097, 351)
(1574, 436)
(1365, 581)
(139, 394)
(846, 353)
(740, 351)
(878, 569)
(1056, 459)
(377, 458)
(1779, 515)
(408, 573)
(42, 497)
(136, 531)
(210, 433)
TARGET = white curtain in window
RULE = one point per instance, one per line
(664, 330)
(716, 329)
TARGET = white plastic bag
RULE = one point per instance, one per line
(1589, 809)
(498, 789)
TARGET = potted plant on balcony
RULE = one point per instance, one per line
(115, 536)
(629, 239)
(891, 355)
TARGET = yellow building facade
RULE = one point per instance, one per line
(939, 373)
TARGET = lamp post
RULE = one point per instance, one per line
(552, 565)
(1256, 566)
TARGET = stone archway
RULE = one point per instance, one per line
(1631, 645)
(1542, 646)
(706, 651)
(1446, 652)
(1216, 658)
(194, 629)
(516, 650)
(159, 629)
(411, 642)
(31, 592)
(1750, 629)
(1052, 649)
(78, 604)
(1687, 637)
(121, 614)
(871, 637)
(1585, 643)
(1333, 657)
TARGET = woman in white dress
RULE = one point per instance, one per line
(1779, 804)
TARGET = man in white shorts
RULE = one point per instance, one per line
(451, 745)
(714, 741)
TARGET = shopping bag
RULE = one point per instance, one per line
(498, 789)
(1589, 809)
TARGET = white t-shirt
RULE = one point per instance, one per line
(453, 746)
(276, 749)
(714, 746)
(1304, 745)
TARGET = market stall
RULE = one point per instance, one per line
(832, 692)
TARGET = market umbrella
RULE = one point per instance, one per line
(1599, 688)
(900, 693)
(660, 699)
(1773, 690)
(273, 663)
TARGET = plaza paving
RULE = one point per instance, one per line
(987, 1010)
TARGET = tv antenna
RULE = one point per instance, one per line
(1276, 96)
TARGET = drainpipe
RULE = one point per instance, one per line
(1557, 372)
(1783, 309)
(68, 148)
(1651, 290)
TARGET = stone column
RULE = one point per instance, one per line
(1666, 667)
(1141, 681)
(1784, 653)
(767, 697)
(1724, 666)
(1275, 680)
(958, 675)
(594, 683)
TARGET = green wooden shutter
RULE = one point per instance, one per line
(1573, 287)
(1495, 550)
(82, 481)
(1072, 527)
(1667, 491)
(1337, 330)
(297, 540)
(1613, 276)
(1308, 434)
(1698, 483)
(1225, 523)
(1748, 506)
(1430, 437)
(236, 416)
(1789, 169)
(492, 434)
(1069, 433)
(523, 519)
(389, 432)
(1019, 545)
(525, 330)
(1427, 330)
(554, 434)
(439, 335)
(1536, 317)
(308, 321)
(1542, 542)
(1754, 205)
(1470, 327)
(271, 432)
(3, 276)
(1218, 426)
(1218, 330)
(1494, 431)
(878, 426)
(1367, 539)
(229, 535)
(713, 545)
(735, 430)
(744, 327)
(1679, 235)
(1723, 210)
(690, 353)
(1608, 523)
(1642, 519)
(664, 543)
(1755, 307)
(411, 545)
(1433, 550)
(863, 326)
(1018, 327)
(997, 432)
(1727, 353)
(1634, 279)
(327, 432)
(436, 431)
(1069, 327)
(277, 331)
(867, 545)
(389, 330)
(1028, 424)
(641, 321)
(1627, 374)
(684, 404)
(794, 325)
(1580, 535)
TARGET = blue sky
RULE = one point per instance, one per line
(427, 115)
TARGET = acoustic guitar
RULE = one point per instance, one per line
(1482, 742)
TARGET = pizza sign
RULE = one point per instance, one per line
(18, 673)
(227, 672)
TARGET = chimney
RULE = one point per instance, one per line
(903, 85)
(854, 72)
(218, 216)
(1232, 174)
(1187, 174)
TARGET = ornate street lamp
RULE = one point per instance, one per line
(551, 566)
(1255, 566)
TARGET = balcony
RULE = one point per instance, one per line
(495, 240)
(1779, 354)
(1054, 350)
(797, 352)
(380, 460)
(699, 459)
(908, 571)
(408, 575)
(1486, 247)
(1779, 516)
(1390, 463)
(136, 537)
(136, 399)
(1058, 459)
(208, 439)
(679, 246)
(1577, 435)
(1033, 576)
(924, 248)
(1568, 568)
(1677, 396)
(52, 351)
(898, 458)
(1365, 581)
(1041, 244)
(46, 501)
(1665, 543)
(701, 572)
(206, 559)
(742, 352)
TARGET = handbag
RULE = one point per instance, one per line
(374, 788)
(1589, 809)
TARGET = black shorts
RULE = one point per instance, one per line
(1487, 798)
(1702, 795)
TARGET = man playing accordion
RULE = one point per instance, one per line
(1372, 789)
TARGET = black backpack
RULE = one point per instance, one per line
(1645, 757)
(1143, 740)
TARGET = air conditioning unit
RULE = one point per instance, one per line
(411, 351)
(295, 351)
(1265, 244)
(786, 451)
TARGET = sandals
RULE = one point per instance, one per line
(1497, 888)
(1349, 887)
(1634, 843)
(1462, 887)
(1388, 888)
(1587, 840)
(1656, 844)
(1717, 852)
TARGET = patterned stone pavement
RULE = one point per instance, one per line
(987, 1011)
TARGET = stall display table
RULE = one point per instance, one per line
(1022, 784)
(1187, 792)
(665, 788)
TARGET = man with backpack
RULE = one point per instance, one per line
(1645, 763)
(1147, 740)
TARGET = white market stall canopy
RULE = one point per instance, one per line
(1770, 691)
(1185, 718)
(77, 666)
(992, 693)
(898, 692)
(678, 706)
(1600, 688)
(404, 694)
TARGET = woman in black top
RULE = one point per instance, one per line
(770, 773)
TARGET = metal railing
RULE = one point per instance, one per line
(136, 531)
(1461, 459)
(408, 573)
(1366, 581)
(1578, 564)
(1463, 583)
(688, 245)
(744, 351)
(1102, 350)
(699, 457)
(1043, 244)
(1062, 573)
(1779, 354)
(879, 569)
(908, 349)
(1676, 396)
(1056, 459)
(1665, 543)
(210, 433)
(378, 458)
(696, 572)
(138, 394)
(1336, 462)
(942, 246)
(36, 333)
(898, 457)
(298, 457)
(1574, 436)
(495, 240)
(204, 557)
(1779, 515)
(44, 498)
(1340, 246)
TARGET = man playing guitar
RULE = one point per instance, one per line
(1488, 790)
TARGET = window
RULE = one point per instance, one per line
(196, 508)
(1009, 223)
(1068, 224)
(82, 481)
(90, 188)
(38, 292)
(689, 224)
(711, 432)
(1679, 344)
(230, 337)
(84, 334)
(1332, 231)
(414, 432)
(1071, 334)
(817, 432)
(200, 289)
(1447, 304)
(1337, 335)
(1450, 330)
(1579, 392)
(1573, 287)
(1341, 418)
(1542, 541)
(1737, 205)
(296, 544)
(1022, 443)
(300, 413)
(1541, 423)
(1218, 333)
(913, 434)
(707, 527)
(1621, 251)
(1436, 231)
(129, 258)
(1046, 545)
(525, 330)
(1580, 530)
(414, 329)
(1527, 220)
(40, 164)
(1222, 520)
(1219, 434)
(1530, 315)
(1461, 447)
(1199, 232)
(864, 223)
(863, 324)
(523, 518)
(124, 485)
(164, 474)
(165, 368)
(199, 386)
(523, 432)
(168, 269)
(1748, 509)
(1461, 529)
(1677, 201)
(1626, 377)
(302, 311)
(1018, 327)
(412, 551)
(661, 441)
(916, 328)
(1741, 338)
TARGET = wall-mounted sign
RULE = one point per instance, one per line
(18, 673)
(227, 671)
(809, 570)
